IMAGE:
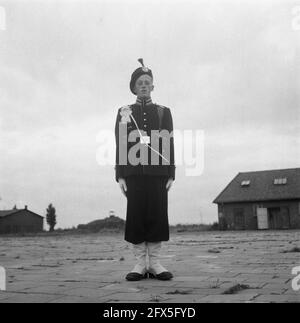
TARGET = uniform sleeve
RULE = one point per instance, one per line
(118, 168)
(169, 126)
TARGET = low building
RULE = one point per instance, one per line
(261, 200)
(20, 221)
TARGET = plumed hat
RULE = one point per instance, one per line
(139, 72)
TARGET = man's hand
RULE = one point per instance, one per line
(123, 185)
(169, 184)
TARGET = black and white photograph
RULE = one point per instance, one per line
(149, 153)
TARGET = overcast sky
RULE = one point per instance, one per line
(229, 68)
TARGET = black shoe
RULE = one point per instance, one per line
(165, 275)
(132, 276)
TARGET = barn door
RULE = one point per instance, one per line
(262, 218)
(239, 219)
(275, 218)
(285, 217)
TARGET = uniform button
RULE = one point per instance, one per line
(145, 119)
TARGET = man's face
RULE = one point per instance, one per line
(144, 86)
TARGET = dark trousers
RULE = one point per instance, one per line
(147, 209)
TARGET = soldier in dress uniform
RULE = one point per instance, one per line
(145, 171)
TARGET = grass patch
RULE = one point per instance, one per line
(91, 259)
(295, 249)
(180, 292)
(215, 284)
(235, 289)
(213, 251)
(155, 298)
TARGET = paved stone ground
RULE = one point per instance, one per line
(206, 266)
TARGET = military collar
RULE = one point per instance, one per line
(146, 101)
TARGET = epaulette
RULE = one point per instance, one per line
(162, 106)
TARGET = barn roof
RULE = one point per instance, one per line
(259, 186)
(7, 212)
(4, 213)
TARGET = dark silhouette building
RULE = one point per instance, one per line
(261, 200)
(20, 221)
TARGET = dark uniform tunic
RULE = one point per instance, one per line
(147, 196)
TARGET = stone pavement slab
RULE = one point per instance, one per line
(207, 267)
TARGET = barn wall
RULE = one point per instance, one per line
(295, 215)
(293, 207)
(227, 218)
(228, 212)
(23, 221)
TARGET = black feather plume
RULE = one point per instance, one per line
(141, 61)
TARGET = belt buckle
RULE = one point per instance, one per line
(145, 140)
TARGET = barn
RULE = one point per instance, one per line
(268, 199)
(20, 221)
